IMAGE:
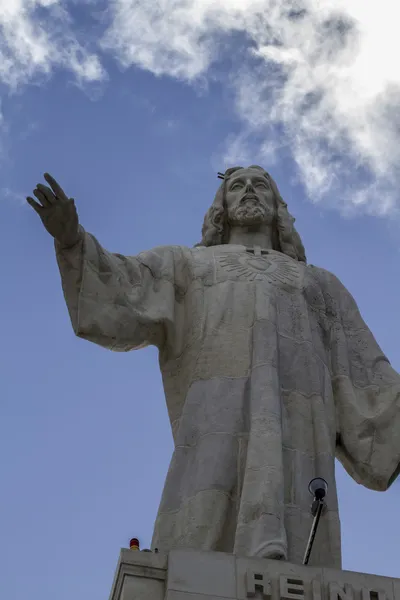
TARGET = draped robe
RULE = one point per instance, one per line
(269, 371)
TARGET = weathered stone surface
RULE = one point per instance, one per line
(268, 368)
(396, 589)
(173, 595)
(206, 573)
(195, 575)
(279, 578)
(142, 588)
(139, 576)
(347, 585)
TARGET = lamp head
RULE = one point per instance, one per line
(318, 488)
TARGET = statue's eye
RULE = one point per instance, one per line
(236, 185)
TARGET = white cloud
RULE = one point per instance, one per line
(35, 37)
(322, 74)
(318, 79)
(13, 196)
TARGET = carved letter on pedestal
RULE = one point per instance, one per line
(257, 584)
(291, 588)
(336, 592)
(372, 595)
(316, 590)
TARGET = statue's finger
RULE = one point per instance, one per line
(47, 192)
(41, 197)
(35, 205)
(56, 187)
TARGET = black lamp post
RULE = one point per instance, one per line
(318, 488)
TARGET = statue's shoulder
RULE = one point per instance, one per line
(333, 290)
(177, 255)
(167, 252)
(323, 276)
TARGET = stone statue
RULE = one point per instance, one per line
(268, 368)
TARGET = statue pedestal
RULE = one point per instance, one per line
(194, 575)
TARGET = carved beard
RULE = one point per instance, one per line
(249, 213)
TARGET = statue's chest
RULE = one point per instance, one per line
(225, 263)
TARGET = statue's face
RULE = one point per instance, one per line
(249, 199)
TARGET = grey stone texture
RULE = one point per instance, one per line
(269, 372)
(196, 575)
(268, 368)
(139, 576)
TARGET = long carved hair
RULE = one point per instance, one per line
(285, 239)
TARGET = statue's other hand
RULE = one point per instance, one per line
(57, 212)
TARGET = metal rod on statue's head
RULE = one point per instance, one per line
(318, 488)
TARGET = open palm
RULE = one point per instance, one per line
(57, 211)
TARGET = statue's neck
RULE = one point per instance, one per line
(260, 236)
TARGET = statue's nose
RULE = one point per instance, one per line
(249, 186)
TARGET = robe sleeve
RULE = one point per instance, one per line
(119, 302)
(366, 392)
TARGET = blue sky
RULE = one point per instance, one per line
(134, 111)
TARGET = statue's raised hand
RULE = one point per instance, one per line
(57, 212)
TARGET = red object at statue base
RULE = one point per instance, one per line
(134, 544)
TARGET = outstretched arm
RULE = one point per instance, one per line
(119, 302)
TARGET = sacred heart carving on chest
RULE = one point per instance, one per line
(275, 267)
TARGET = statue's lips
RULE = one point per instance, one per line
(246, 198)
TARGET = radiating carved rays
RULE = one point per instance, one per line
(276, 268)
